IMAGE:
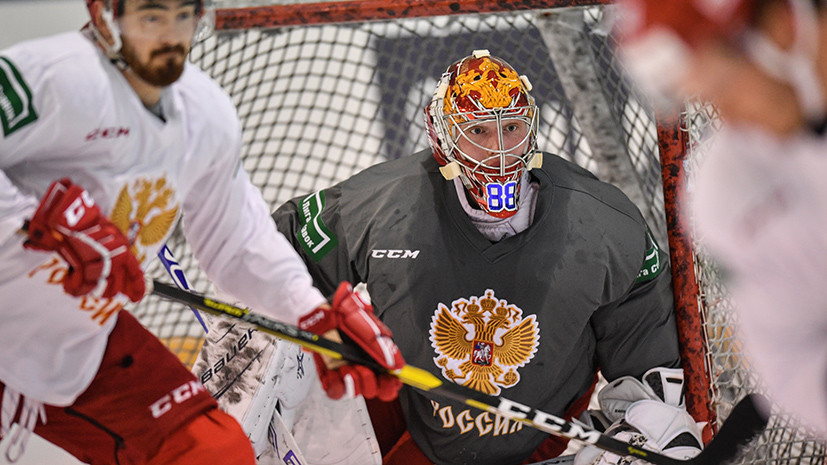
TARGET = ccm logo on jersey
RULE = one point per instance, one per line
(393, 253)
(178, 395)
(107, 133)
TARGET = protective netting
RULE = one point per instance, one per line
(321, 102)
(785, 440)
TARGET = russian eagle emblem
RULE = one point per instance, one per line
(481, 342)
(144, 214)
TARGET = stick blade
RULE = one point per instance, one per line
(746, 421)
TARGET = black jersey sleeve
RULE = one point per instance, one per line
(638, 331)
(313, 225)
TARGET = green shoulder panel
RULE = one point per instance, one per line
(315, 238)
(651, 262)
(16, 105)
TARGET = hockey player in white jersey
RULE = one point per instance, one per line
(108, 137)
(500, 268)
(759, 198)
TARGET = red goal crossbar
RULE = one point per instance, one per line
(373, 10)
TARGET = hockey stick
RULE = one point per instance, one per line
(744, 422)
(177, 274)
(278, 433)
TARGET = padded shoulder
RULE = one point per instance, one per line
(567, 175)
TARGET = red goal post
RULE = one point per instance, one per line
(326, 89)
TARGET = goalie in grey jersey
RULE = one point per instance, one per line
(506, 270)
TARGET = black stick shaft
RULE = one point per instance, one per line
(744, 422)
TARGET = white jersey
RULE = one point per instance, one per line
(67, 111)
(761, 208)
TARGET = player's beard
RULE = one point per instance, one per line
(169, 69)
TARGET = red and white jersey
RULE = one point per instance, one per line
(760, 206)
(67, 111)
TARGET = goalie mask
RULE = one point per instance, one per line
(112, 14)
(482, 125)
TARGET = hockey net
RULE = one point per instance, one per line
(325, 90)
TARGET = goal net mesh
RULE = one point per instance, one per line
(322, 101)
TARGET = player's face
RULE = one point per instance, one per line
(157, 35)
(741, 91)
(485, 141)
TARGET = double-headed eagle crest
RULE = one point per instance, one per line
(489, 83)
(480, 342)
(147, 219)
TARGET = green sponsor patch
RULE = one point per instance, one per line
(316, 239)
(16, 106)
(651, 262)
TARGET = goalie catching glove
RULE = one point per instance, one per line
(649, 415)
(68, 222)
(349, 314)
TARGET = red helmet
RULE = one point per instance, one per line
(659, 35)
(693, 21)
(481, 88)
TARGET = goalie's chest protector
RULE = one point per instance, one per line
(508, 318)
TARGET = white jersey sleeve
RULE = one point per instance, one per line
(21, 99)
(238, 246)
(760, 207)
(15, 207)
(229, 227)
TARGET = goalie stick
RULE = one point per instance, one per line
(743, 423)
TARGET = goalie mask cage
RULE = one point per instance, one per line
(325, 90)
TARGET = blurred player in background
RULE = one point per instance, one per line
(503, 269)
(108, 137)
(759, 200)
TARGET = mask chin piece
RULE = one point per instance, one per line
(450, 171)
(536, 161)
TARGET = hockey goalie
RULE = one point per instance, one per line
(495, 266)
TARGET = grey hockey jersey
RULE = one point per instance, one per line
(531, 317)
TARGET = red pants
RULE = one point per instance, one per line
(213, 437)
(398, 448)
(144, 407)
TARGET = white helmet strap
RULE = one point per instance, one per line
(113, 50)
(109, 19)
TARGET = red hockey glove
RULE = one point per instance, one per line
(355, 318)
(69, 223)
